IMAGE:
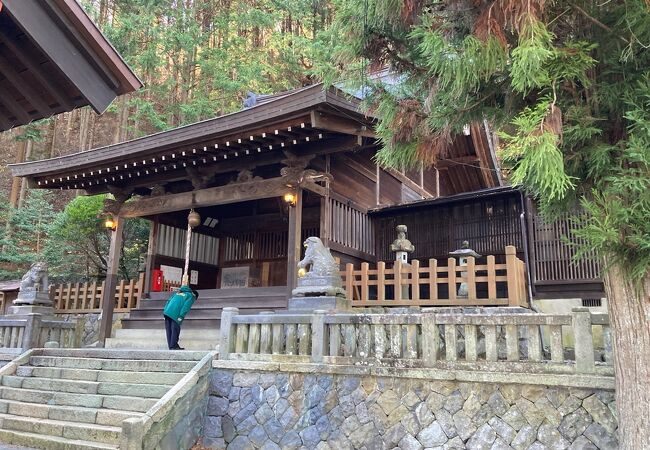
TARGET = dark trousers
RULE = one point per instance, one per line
(173, 331)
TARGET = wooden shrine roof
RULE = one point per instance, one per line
(54, 59)
(433, 202)
(294, 120)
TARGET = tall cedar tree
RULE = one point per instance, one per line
(567, 86)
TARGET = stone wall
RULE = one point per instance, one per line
(290, 410)
(91, 324)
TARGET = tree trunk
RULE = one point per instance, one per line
(629, 312)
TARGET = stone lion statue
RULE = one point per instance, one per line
(318, 258)
(35, 279)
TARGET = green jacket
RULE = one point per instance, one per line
(179, 304)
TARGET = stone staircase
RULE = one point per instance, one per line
(77, 398)
(145, 326)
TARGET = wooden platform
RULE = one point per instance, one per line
(206, 311)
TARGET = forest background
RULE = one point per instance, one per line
(198, 59)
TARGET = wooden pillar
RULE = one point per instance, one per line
(151, 254)
(108, 296)
(326, 209)
(295, 241)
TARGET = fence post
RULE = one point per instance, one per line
(349, 280)
(32, 331)
(511, 275)
(583, 340)
(225, 342)
(430, 339)
(317, 336)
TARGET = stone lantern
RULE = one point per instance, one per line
(402, 247)
(461, 255)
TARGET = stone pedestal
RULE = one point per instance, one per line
(47, 312)
(328, 303)
(32, 302)
(33, 298)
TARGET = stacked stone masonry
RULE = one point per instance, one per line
(280, 410)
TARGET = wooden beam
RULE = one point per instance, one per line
(363, 170)
(10, 103)
(35, 69)
(221, 195)
(406, 181)
(313, 187)
(482, 150)
(108, 295)
(254, 159)
(15, 78)
(294, 242)
(338, 124)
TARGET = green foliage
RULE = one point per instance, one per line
(198, 59)
(25, 234)
(565, 85)
(73, 242)
(79, 242)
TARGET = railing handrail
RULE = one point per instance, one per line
(424, 339)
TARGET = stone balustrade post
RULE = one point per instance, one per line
(317, 336)
(32, 331)
(226, 331)
(430, 339)
(583, 340)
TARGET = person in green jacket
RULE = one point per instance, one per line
(175, 310)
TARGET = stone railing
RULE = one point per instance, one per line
(168, 418)
(498, 341)
(428, 283)
(21, 334)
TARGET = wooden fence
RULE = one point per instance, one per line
(19, 335)
(351, 229)
(79, 298)
(509, 342)
(555, 246)
(488, 284)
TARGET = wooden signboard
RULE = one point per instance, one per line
(234, 277)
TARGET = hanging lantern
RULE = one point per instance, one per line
(193, 219)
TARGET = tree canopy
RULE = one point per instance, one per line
(565, 84)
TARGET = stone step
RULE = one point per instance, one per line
(112, 376)
(33, 440)
(72, 413)
(136, 365)
(158, 323)
(161, 343)
(86, 387)
(232, 294)
(103, 353)
(117, 402)
(60, 428)
(195, 333)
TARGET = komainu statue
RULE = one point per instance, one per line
(319, 258)
(34, 287)
(323, 277)
(35, 279)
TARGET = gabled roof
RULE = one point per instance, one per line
(297, 116)
(54, 59)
